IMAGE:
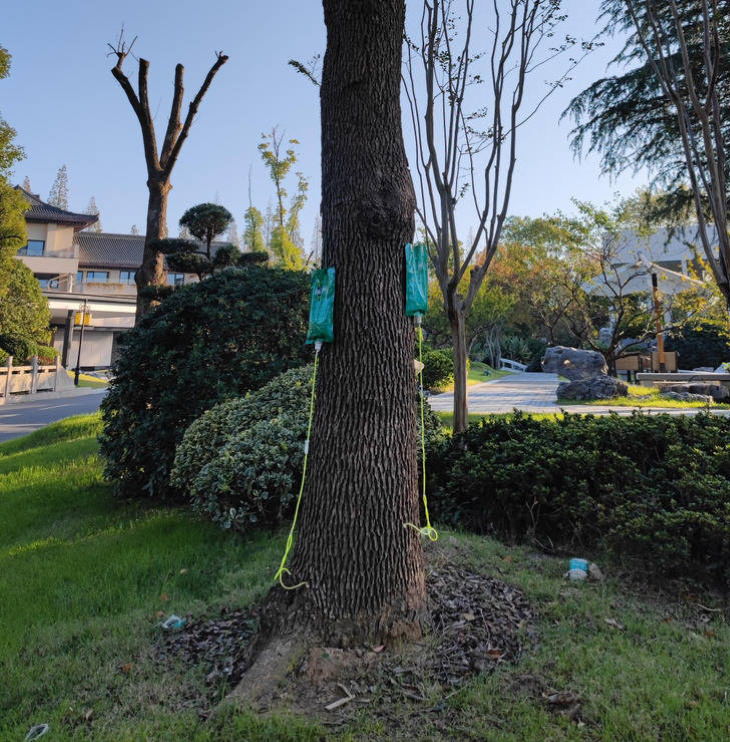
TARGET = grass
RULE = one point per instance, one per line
(82, 577)
(88, 380)
(642, 396)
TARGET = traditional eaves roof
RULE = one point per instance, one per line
(110, 250)
(40, 211)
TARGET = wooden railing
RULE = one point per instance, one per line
(28, 379)
(507, 363)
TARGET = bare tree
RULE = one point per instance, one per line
(160, 163)
(473, 153)
(668, 31)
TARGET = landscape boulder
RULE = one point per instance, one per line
(598, 387)
(718, 392)
(574, 363)
(686, 397)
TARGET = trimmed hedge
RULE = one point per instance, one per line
(207, 342)
(654, 488)
(438, 368)
(241, 461)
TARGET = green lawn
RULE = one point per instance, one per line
(82, 577)
(643, 396)
(88, 380)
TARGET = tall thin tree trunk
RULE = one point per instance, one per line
(152, 270)
(458, 341)
(363, 565)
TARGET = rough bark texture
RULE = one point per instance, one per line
(152, 270)
(363, 566)
(458, 339)
(159, 165)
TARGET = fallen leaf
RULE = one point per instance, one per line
(164, 596)
(468, 616)
(183, 571)
(562, 698)
(379, 648)
(126, 668)
(613, 623)
(495, 654)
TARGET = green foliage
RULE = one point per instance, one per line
(206, 222)
(13, 234)
(438, 368)
(205, 343)
(627, 119)
(241, 461)
(285, 241)
(286, 395)
(58, 195)
(703, 344)
(651, 488)
(253, 233)
(9, 153)
(24, 310)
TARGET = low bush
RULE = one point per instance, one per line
(704, 344)
(20, 348)
(207, 342)
(438, 368)
(653, 488)
(241, 461)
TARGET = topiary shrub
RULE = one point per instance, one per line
(286, 395)
(46, 355)
(241, 461)
(438, 368)
(653, 488)
(207, 342)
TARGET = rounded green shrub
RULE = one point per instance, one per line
(652, 488)
(20, 348)
(205, 343)
(438, 368)
(287, 395)
(241, 461)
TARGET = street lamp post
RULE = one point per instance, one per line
(81, 340)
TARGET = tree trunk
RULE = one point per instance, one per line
(152, 270)
(363, 566)
(458, 341)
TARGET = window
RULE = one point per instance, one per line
(48, 283)
(79, 277)
(126, 276)
(175, 279)
(97, 276)
(33, 249)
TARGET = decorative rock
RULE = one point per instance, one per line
(687, 397)
(717, 391)
(599, 387)
(574, 363)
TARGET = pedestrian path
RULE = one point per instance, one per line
(534, 393)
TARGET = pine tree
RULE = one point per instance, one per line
(58, 195)
(253, 234)
(26, 185)
(92, 208)
(134, 229)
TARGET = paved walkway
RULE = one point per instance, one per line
(23, 418)
(534, 392)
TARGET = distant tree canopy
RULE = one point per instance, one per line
(204, 222)
(628, 120)
(24, 310)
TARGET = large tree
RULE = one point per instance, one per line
(160, 163)
(363, 567)
(469, 80)
(669, 111)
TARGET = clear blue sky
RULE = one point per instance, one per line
(67, 108)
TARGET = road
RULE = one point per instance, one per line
(20, 418)
(535, 392)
